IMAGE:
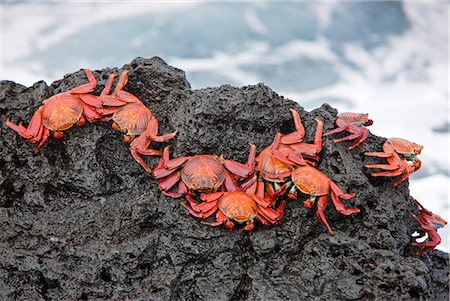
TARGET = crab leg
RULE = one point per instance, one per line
(264, 219)
(90, 113)
(220, 219)
(202, 215)
(292, 158)
(387, 173)
(274, 194)
(249, 186)
(249, 227)
(230, 184)
(152, 132)
(202, 207)
(382, 166)
(140, 145)
(401, 179)
(378, 154)
(321, 206)
(336, 193)
(203, 210)
(349, 137)
(261, 201)
(298, 135)
(363, 136)
(169, 181)
(337, 130)
(86, 88)
(242, 170)
(45, 136)
(110, 100)
(170, 164)
(34, 129)
(210, 196)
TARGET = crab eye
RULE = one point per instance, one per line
(437, 225)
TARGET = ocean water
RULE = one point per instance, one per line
(388, 59)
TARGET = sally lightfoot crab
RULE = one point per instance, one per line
(429, 223)
(59, 113)
(131, 117)
(401, 155)
(353, 123)
(202, 173)
(233, 208)
(318, 186)
(276, 162)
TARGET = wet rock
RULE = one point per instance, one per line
(83, 221)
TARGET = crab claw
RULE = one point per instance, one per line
(428, 223)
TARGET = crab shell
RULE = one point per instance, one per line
(404, 147)
(356, 118)
(311, 181)
(203, 173)
(238, 206)
(61, 112)
(268, 164)
(132, 119)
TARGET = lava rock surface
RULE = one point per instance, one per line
(83, 221)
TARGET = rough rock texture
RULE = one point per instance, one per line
(83, 221)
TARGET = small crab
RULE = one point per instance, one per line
(131, 117)
(234, 207)
(59, 113)
(353, 123)
(428, 223)
(202, 173)
(402, 159)
(318, 186)
(279, 159)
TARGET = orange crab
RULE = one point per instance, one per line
(234, 207)
(402, 159)
(317, 185)
(279, 159)
(202, 173)
(131, 117)
(428, 223)
(59, 113)
(311, 181)
(353, 123)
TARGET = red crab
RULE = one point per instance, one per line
(279, 159)
(59, 113)
(428, 223)
(402, 159)
(202, 173)
(292, 150)
(234, 207)
(131, 117)
(317, 185)
(353, 123)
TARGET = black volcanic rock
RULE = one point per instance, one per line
(83, 221)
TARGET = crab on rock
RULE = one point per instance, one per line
(234, 207)
(59, 113)
(202, 173)
(353, 123)
(277, 161)
(428, 223)
(318, 186)
(131, 117)
(401, 155)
